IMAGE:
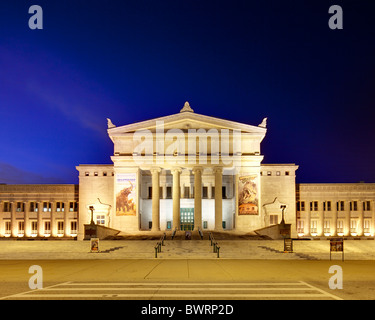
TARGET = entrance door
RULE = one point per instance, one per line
(187, 219)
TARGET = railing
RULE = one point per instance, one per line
(158, 246)
(214, 244)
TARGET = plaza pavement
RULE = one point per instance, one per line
(183, 249)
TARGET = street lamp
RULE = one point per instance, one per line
(282, 207)
(92, 215)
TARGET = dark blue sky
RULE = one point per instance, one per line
(237, 60)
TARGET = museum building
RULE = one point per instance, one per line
(187, 171)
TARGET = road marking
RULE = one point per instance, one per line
(177, 291)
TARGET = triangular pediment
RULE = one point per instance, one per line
(185, 121)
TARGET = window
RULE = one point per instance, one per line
(150, 192)
(205, 225)
(21, 227)
(327, 206)
(104, 174)
(212, 192)
(169, 225)
(224, 224)
(7, 206)
(353, 205)
(277, 173)
(314, 206)
(287, 173)
(32, 207)
(205, 193)
(8, 227)
(340, 206)
(300, 205)
(366, 206)
(46, 206)
(47, 227)
(186, 192)
(340, 226)
(269, 173)
(60, 207)
(34, 227)
(73, 206)
(353, 225)
(224, 192)
(150, 224)
(60, 227)
(95, 174)
(300, 226)
(169, 192)
(366, 225)
(314, 226)
(100, 219)
(73, 227)
(274, 219)
(20, 207)
(87, 174)
(161, 193)
(326, 226)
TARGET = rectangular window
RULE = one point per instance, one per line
(327, 206)
(60, 206)
(287, 173)
(277, 173)
(169, 192)
(340, 226)
(224, 224)
(186, 192)
(274, 219)
(314, 226)
(73, 227)
(212, 192)
(60, 227)
(326, 226)
(169, 225)
(301, 206)
(300, 226)
(340, 206)
(224, 192)
(32, 207)
(353, 225)
(366, 206)
(366, 225)
(21, 227)
(104, 174)
(314, 206)
(8, 227)
(47, 227)
(20, 207)
(100, 219)
(205, 193)
(161, 195)
(7, 206)
(353, 205)
(205, 225)
(150, 225)
(34, 227)
(46, 206)
(150, 192)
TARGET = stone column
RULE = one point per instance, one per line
(176, 198)
(40, 220)
(197, 171)
(26, 213)
(360, 222)
(218, 198)
(155, 199)
(66, 219)
(13, 221)
(53, 218)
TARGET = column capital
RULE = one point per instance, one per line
(217, 169)
(155, 170)
(175, 170)
(198, 169)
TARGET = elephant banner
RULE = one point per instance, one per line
(126, 185)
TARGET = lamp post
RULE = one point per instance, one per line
(92, 215)
(282, 207)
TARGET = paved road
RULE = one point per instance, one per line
(165, 279)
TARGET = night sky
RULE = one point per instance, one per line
(137, 60)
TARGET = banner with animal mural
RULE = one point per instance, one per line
(248, 195)
(126, 194)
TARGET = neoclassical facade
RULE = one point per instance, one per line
(187, 171)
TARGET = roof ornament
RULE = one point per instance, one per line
(186, 108)
(263, 124)
(110, 124)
